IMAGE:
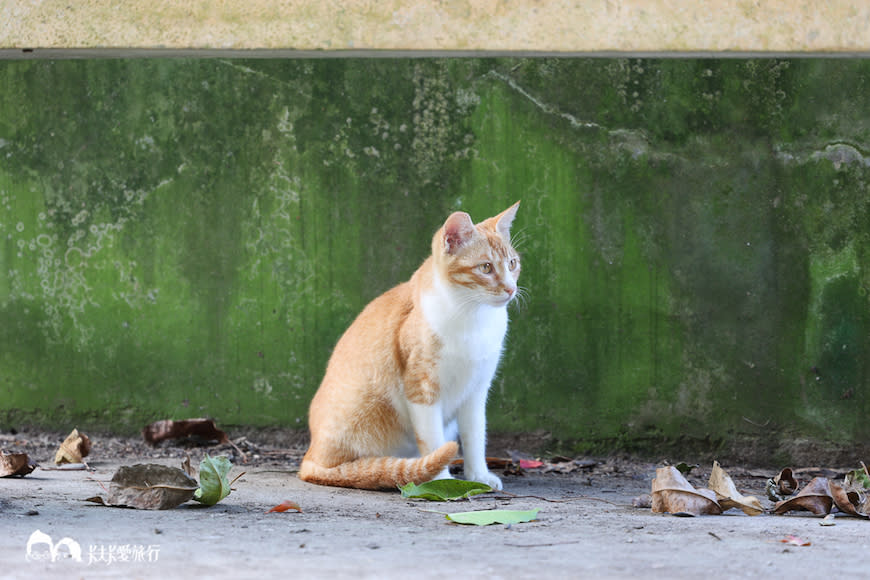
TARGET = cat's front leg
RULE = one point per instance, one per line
(428, 423)
(472, 433)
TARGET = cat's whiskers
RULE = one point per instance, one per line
(518, 239)
(521, 297)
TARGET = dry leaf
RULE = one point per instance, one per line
(285, 506)
(857, 482)
(15, 464)
(148, 486)
(785, 482)
(672, 493)
(815, 497)
(203, 429)
(74, 448)
(795, 541)
(848, 502)
(781, 486)
(727, 494)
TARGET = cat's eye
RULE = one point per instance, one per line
(486, 268)
(512, 265)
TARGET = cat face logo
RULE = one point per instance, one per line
(53, 552)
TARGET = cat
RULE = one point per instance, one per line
(414, 369)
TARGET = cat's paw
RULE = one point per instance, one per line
(445, 474)
(486, 477)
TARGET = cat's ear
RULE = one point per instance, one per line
(458, 231)
(502, 222)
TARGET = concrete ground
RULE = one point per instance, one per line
(586, 528)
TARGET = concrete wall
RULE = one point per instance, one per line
(185, 237)
(190, 237)
(595, 26)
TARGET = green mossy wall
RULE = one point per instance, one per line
(190, 237)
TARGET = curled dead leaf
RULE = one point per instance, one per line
(148, 486)
(816, 498)
(782, 485)
(785, 481)
(727, 494)
(74, 448)
(15, 464)
(857, 484)
(285, 506)
(202, 429)
(847, 502)
(672, 493)
(795, 541)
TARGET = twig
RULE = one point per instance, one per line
(563, 500)
(236, 478)
(236, 447)
(542, 545)
(100, 484)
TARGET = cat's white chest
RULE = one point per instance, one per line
(471, 337)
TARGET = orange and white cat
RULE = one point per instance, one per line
(413, 370)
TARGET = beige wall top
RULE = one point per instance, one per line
(581, 26)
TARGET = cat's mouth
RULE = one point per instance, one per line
(503, 300)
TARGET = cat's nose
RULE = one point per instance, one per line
(510, 292)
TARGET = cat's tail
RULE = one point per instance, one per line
(380, 472)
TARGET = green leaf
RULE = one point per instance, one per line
(858, 479)
(487, 517)
(444, 489)
(685, 468)
(214, 485)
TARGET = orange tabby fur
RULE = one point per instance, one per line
(383, 384)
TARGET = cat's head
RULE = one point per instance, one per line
(479, 259)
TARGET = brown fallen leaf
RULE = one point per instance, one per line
(847, 502)
(74, 448)
(782, 485)
(148, 486)
(285, 506)
(187, 468)
(203, 429)
(15, 464)
(570, 466)
(727, 494)
(672, 493)
(795, 541)
(857, 484)
(816, 498)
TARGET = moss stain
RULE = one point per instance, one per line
(190, 237)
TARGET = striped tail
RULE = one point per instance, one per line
(380, 472)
